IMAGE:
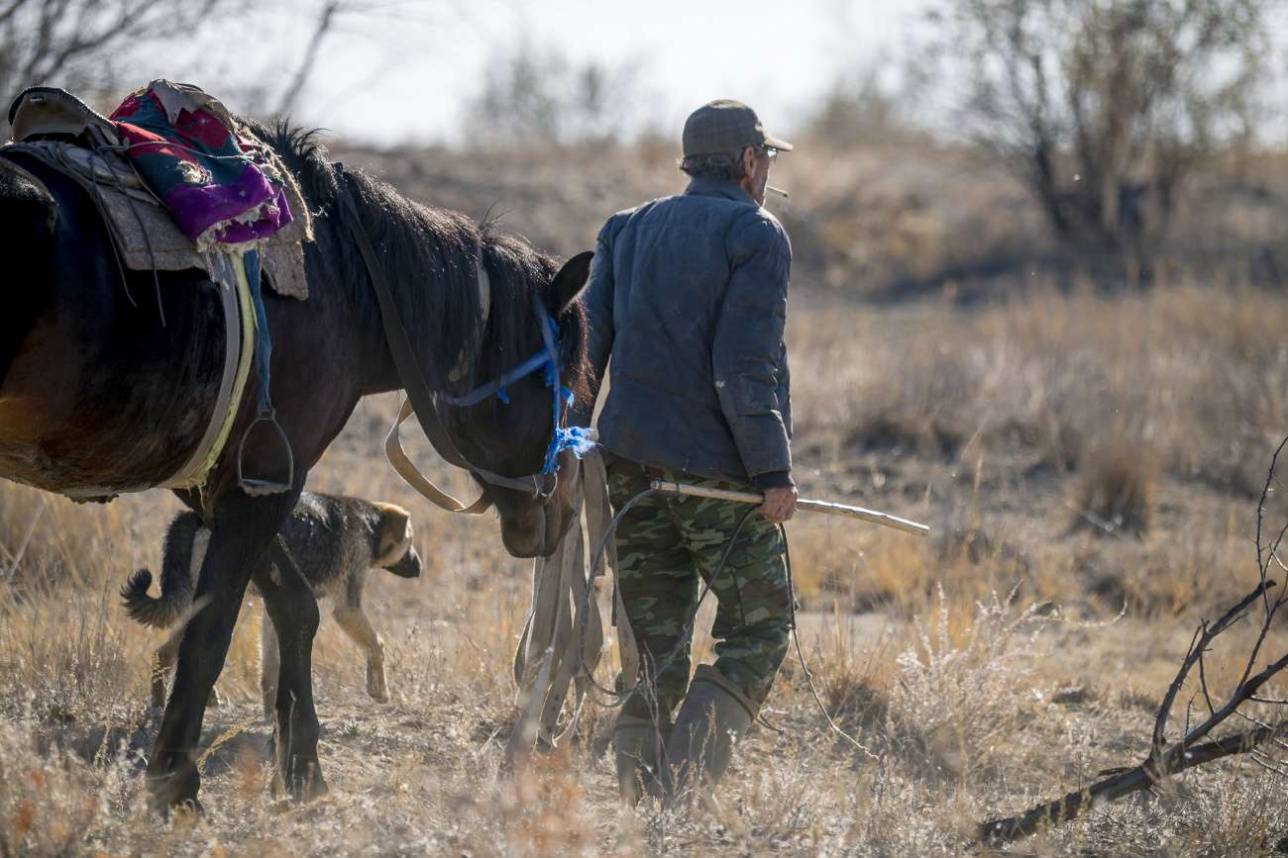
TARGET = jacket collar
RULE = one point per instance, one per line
(706, 187)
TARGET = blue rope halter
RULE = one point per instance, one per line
(576, 439)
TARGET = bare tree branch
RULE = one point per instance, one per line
(58, 41)
(1262, 564)
(1166, 759)
(8, 10)
(1203, 638)
(1102, 109)
(305, 69)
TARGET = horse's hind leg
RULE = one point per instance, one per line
(243, 530)
(293, 611)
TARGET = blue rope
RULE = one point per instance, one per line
(497, 388)
(263, 342)
(576, 439)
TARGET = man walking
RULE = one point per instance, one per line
(688, 295)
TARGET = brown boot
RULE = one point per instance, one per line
(637, 744)
(712, 719)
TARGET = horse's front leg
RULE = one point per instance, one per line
(293, 612)
(242, 532)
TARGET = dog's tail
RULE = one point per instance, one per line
(176, 579)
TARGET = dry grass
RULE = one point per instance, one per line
(1192, 373)
(985, 667)
(982, 668)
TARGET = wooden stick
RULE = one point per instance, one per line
(869, 515)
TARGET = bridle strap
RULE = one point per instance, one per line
(402, 464)
(493, 388)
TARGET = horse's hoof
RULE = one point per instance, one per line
(315, 788)
(189, 809)
(303, 784)
(174, 790)
(301, 790)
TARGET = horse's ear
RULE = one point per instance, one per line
(569, 282)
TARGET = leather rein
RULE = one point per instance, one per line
(423, 401)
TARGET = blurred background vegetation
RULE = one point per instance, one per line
(1123, 141)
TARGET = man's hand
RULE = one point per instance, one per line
(780, 504)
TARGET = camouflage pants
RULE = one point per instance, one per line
(663, 544)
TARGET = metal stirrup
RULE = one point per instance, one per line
(258, 487)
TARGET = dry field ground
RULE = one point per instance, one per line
(1090, 464)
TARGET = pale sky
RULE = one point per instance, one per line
(408, 76)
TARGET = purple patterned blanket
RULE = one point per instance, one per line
(222, 189)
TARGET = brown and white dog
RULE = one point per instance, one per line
(332, 540)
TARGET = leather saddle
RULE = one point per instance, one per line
(47, 110)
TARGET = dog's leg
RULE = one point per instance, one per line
(270, 665)
(293, 610)
(163, 664)
(350, 616)
(244, 528)
(200, 542)
(163, 661)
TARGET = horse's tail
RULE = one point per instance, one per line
(177, 574)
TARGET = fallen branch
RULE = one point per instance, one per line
(1166, 759)
(1120, 784)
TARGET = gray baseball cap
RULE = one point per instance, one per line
(725, 125)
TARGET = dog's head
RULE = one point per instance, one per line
(395, 548)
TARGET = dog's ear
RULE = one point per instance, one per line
(394, 533)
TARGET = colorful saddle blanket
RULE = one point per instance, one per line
(223, 189)
(54, 127)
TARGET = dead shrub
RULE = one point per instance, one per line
(1115, 495)
(854, 685)
(957, 695)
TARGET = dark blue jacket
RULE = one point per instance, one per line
(688, 294)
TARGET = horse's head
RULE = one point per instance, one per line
(513, 437)
(477, 341)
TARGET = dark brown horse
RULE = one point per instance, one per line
(99, 394)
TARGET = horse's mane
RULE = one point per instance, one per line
(429, 255)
